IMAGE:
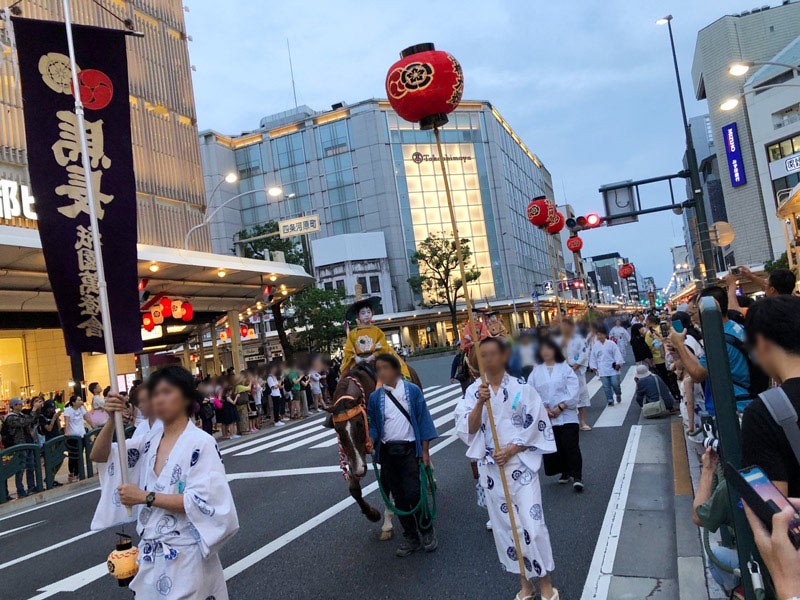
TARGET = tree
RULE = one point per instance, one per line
(293, 253)
(439, 279)
(319, 316)
(782, 262)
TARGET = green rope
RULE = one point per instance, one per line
(427, 484)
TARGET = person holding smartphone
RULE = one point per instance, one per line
(606, 360)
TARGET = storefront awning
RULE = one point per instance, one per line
(25, 287)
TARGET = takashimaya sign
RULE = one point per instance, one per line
(15, 201)
(419, 157)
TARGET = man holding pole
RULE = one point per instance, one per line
(524, 434)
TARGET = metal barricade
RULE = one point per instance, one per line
(88, 442)
(14, 461)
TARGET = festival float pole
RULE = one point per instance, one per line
(423, 86)
(105, 311)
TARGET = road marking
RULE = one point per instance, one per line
(50, 503)
(72, 583)
(11, 563)
(308, 440)
(273, 434)
(593, 387)
(288, 537)
(28, 526)
(614, 416)
(598, 579)
(284, 472)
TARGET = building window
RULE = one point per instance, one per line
(248, 161)
(333, 139)
(329, 285)
(362, 281)
(340, 284)
(375, 284)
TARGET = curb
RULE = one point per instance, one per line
(13, 507)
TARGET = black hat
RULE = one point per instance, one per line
(373, 302)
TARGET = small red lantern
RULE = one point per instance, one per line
(538, 212)
(243, 330)
(186, 312)
(147, 322)
(166, 307)
(575, 243)
(425, 85)
(557, 225)
(626, 270)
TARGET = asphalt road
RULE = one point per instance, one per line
(302, 537)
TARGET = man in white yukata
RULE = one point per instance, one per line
(606, 360)
(621, 336)
(576, 351)
(177, 488)
(524, 433)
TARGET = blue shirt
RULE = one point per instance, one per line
(740, 373)
(421, 421)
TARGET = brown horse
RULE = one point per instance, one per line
(348, 409)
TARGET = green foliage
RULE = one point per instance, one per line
(290, 247)
(782, 262)
(319, 314)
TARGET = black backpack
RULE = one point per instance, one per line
(759, 381)
(207, 410)
(5, 434)
(287, 384)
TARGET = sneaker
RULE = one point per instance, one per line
(408, 547)
(235, 436)
(611, 403)
(578, 486)
(489, 525)
(279, 424)
(254, 430)
(429, 541)
(562, 480)
(619, 399)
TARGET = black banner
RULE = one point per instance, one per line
(58, 181)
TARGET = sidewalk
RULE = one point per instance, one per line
(652, 550)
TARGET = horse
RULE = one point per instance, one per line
(349, 416)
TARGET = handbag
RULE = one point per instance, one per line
(655, 410)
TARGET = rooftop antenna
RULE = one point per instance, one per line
(291, 70)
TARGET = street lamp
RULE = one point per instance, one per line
(741, 67)
(730, 103)
(694, 172)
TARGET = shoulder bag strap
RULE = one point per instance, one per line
(399, 406)
(784, 414)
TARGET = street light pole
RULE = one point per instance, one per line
(207, 218)
(708, 272)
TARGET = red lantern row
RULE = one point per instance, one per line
(165, 308)
(542, 213)
(626, 270)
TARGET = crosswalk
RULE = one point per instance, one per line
(314, 435)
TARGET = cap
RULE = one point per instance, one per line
(15, 401)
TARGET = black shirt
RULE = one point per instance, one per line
(764, 443)
(641, 351)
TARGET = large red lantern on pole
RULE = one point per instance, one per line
(425, 85)
(575, 243)
(626, 270)
(538, 212)
(557, 224)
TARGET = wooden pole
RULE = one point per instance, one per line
(554, 275)
(473, 327)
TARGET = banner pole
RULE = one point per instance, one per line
(471, 316)
(105, 312)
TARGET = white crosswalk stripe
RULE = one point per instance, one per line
(614, 415)
(315, 431)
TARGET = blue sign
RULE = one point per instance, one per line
(548, 286)
(730, 134)
(536, 305)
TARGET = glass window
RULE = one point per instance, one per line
(375, 284)
(362, 281)
(774, 152)
(786, 148)
(796, 143)
(340, 284)
(333, 138)
(329, 285)
(248, 160)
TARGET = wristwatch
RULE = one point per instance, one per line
(149, 499)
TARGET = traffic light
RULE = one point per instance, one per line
(589, 221)
(577, 283)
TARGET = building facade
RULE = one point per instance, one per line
(361, 168)
(757, 35)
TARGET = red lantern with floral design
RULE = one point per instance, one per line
(557, 224)
(538, 212)
(166, 307)
(425, 85)
(147, 322)
(575, 243)
(626, 270)
(243, 330)
(187, 311)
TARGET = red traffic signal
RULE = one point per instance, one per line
(589, 221)
(577, 284)
(593, 220)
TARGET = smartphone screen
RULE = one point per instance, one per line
(664, 328)
(677, 326)
(766, 490)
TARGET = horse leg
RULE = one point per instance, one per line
(387, 530)
(355, 491)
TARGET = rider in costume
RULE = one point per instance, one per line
(365, 341)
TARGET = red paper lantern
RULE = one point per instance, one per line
(147, 322)
(243, 330)
(187, 311)
(575, 243)
(157, 313)
(538, 212)
(425, 85)
(626, 270)
(557, 225)
(166, 307)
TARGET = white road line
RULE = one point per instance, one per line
(72, 583)
(598, 579)
(325, 433)
(288, 537)
(28, 526)
(50, 503)
(433, 411)
(614, 416)
(11, 563)
(284, 472)
(274, 434)
(593, 387)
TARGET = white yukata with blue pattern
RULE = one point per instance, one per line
(520, 418)
(178, 553)
(577, 353)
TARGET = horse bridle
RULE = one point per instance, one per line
(354, 411)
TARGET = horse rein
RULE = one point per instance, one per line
(350, 413)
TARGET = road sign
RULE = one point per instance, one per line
(721, 233)
(299, 226)
(536, 305)
(547, 286)
(620, 199)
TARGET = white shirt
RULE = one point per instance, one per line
(396, 428)
(144, 428)
(75, 426)
(604, 356)
(274, 386)
(258, 390)
(555, 385)
(526, 355)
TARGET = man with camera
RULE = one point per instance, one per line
(654, 338)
